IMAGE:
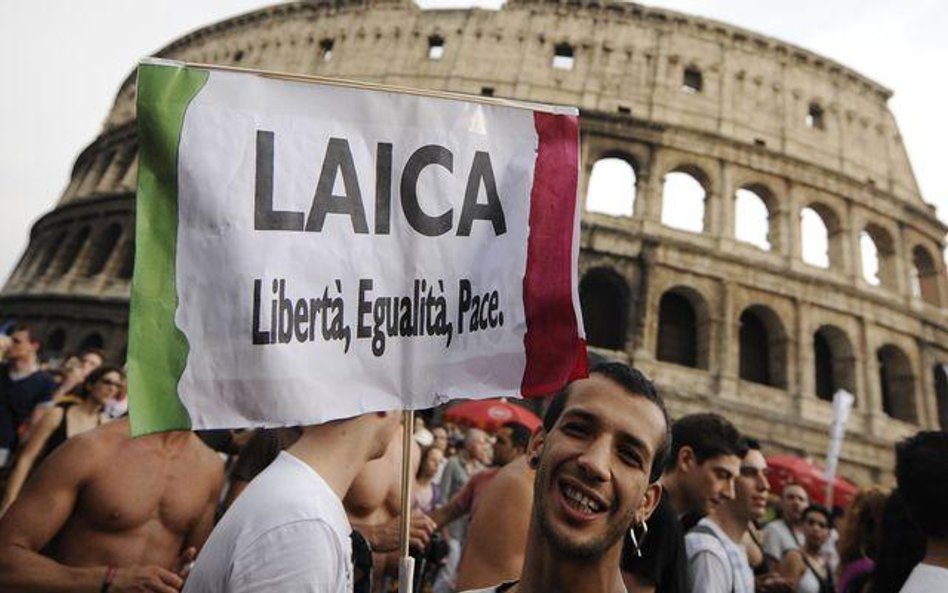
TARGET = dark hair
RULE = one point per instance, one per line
(859, 527)
(34, 339)
(901, 547)
(749, 444)
(707, 434)
(94, 377)
(821, 510)
(519, 434)
(633, 381)
(92, 350)
(921, 470)
(425, 454)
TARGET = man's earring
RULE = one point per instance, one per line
(638, 541)
(533, 462)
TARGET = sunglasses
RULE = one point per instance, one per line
(110, 383)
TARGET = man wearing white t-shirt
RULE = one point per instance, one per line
(921, 469)
(288, 531)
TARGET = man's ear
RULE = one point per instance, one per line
(686, 459)
(653, 494)
(535, 448)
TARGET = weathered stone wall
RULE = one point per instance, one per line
(664, 91)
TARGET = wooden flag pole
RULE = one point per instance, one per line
(406, 564)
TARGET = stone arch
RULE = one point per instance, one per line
(941, 394)
(682, 328)
(925, 276)
(763, 347)
(71, 252)
(50, 253)
(92, 340)
(897, 383)
(612, 185)
(878, 256)
(833, 362)
(55, 342)
(821, 236)
(604, 298)
(102, 248)
(753, 216)
(685, 191)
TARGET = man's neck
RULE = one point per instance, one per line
(336, 455)
(671, 484)
(22, 366)
(936, 552)
(547, 571)
(734, 527)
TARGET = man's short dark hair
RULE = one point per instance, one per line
(819, 510)
(519, 434)
(708, 435)
(748, 444)
(22, 327)
(921, 470)
(633, 381)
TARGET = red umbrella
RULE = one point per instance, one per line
(789, 469)
(491, 414)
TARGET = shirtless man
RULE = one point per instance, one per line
(106, 512)
(373, 504)
(598, 461)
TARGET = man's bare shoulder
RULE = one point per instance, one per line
(101, 441)
(515, 476)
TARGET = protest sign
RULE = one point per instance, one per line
(311, 250)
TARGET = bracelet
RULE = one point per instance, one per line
(107, 581)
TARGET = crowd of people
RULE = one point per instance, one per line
(607, 495)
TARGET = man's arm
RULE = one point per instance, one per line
(458, 506)
(43, 508)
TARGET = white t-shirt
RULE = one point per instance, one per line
(715, 562)
(288, 531)
(926, 578)
(778, 539)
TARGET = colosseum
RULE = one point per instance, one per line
(690, 128)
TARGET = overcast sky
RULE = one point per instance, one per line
(61, 62)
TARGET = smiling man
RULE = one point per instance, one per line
(598, 459)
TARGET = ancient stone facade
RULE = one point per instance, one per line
(751, 330)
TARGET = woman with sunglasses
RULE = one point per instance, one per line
(72, 416)
(806, 567)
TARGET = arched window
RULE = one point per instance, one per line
(941, 394)
(564, 56)
(604, 298)
(763, 349)
(924, 276)
(814, 238)
(877, 252)
(52, 249)
(72, 250)
(93, 340)
(611, 187)
(752, 217)
(834, 365)
(102, 249)
(683, 199)
(897, 383)
(677, 330)
(128, 261)
(814, 117)
(55, 342)
(692, 82)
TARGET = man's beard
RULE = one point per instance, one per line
(562, 543)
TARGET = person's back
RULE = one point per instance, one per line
(105, 499)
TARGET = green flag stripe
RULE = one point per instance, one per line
(157, 349)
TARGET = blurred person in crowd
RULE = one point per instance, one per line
(806, 567)
(106, 512)
(426, 492)
(704, 461)
(373, 505)
(23, 386)
(859, 535)
(785, 533)
(921, 471)
(63, 421)
(598, 460)
(717, 563)
(288, 530)
(440, 435)
(901, 547)
(474, 457)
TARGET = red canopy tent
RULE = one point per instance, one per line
(789, 469)
(490, 414)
